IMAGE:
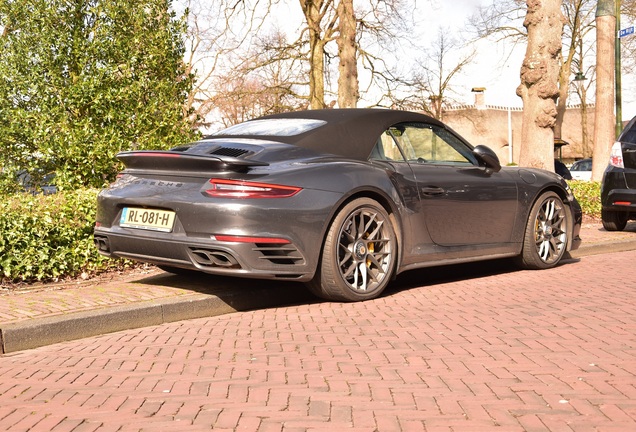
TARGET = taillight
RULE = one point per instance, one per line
(616, 155)
(223, 188)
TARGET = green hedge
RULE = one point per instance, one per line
(588, 194)
(49, 237)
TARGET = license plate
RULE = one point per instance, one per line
(150, 219)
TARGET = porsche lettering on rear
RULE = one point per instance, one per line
(158, 183)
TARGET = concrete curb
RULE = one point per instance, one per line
(599, 248)
(39, 332)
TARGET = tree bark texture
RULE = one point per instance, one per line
(312, 9)
(604, 120)
(539, 82)
(348, 91)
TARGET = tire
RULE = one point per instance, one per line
(546, 236)
(359, 254)
(614, 220)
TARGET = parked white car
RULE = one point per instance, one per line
(582, 169)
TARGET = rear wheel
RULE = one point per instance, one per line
(546, 236)
(614, 220)
(359, 254)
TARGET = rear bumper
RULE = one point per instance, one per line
(620, 200)
(615, 192)
(263, 261)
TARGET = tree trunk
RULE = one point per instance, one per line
(348, 92)
(539, 77)
(604, 122)
(312, 12)
(575, 10)
(561, 106)
(585, 140)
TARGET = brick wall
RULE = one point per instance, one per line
(490, 126)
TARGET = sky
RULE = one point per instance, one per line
(497, 68)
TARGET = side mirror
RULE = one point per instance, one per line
(487, 157)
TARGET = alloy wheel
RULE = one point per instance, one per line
(550, 230)
(364, 249)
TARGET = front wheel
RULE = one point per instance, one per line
(359, 254)
(546, 237)
(613, 220)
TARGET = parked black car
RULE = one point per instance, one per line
(618, 189)
(37, 183)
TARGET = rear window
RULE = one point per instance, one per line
(629, 134)
(273, 127)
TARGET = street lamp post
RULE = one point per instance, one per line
(617, 55)
(604, 120)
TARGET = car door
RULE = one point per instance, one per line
(461, 203)
(387, 154)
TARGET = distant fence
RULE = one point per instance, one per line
(505, 108)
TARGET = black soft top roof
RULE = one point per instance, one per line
(350, 133)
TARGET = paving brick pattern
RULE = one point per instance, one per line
(59, 299)
(489, 350)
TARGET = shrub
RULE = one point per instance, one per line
(46, 237)
(588, 194)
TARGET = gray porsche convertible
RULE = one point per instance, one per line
(343, 200)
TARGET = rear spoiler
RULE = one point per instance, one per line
(180, 162)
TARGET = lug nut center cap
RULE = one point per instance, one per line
(360, 250)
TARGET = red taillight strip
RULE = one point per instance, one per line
(622, 203)
(224, 188)
(157, 154)
(248, 239)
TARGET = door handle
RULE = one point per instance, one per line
(432, 191)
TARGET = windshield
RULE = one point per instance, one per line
(273, 127)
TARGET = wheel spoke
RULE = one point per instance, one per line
(362, 271)
(372, 220)
(361, 226)
(345, 253)
(349, 270)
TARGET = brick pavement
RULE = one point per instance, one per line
(152, 284)
(479, 350)
(47, 314)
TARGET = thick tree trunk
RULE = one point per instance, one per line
(539, 77)
(575, 10)
(604, 120)
(316, 73)
(564, 90)
(312, 11)
(348, 91)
